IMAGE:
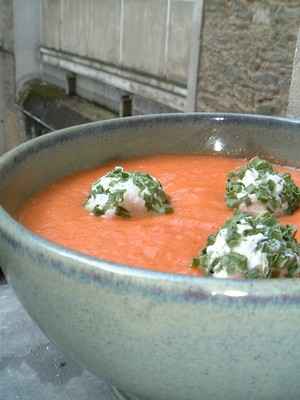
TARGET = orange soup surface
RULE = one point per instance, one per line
(168, 243)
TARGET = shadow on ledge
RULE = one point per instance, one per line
(2, 278)
(47, 108)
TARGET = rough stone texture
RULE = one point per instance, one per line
(11, 124)
(6, 25)
(10, 130)
(247, 58)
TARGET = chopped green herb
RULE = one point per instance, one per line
(251, 247)
(125, 193)
(257, 188)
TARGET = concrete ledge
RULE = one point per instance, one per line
(32, 368)
(164, 92)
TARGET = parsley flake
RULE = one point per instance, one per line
(256, 188)
(125, 194)
(251, 247)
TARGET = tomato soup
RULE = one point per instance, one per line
(196, 185)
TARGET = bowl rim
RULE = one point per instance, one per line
(95, 269)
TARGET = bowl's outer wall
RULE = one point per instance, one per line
(155, 335)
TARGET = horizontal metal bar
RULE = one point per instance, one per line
(35, 118)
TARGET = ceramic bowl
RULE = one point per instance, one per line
(153, 335)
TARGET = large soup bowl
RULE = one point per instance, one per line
(155, 336)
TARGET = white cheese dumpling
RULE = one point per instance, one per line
(257, 188)
(251, 247)
(127, 194)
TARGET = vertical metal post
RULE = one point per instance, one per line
(71, 84)
(293, 109)
(194, 66)
(2, 278)
(126, 106)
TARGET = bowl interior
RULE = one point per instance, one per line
(35, 164)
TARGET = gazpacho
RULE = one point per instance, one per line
(193, 185)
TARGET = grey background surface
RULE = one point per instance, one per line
(32, 368)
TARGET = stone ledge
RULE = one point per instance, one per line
(168, 93)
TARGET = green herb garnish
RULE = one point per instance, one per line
(251, 247)
(121, 193)
(258, 185)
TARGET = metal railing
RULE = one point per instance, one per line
(34, 125)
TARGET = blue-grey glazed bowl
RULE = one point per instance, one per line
(155, 336)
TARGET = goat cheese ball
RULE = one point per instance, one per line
(257, 188)
(251, 247)
(127, 194)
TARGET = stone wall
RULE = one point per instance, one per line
(10, 135)
(247, 58)
(143, 47)
(247, 46)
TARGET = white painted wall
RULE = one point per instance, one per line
(147, 36)
(27, 20)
